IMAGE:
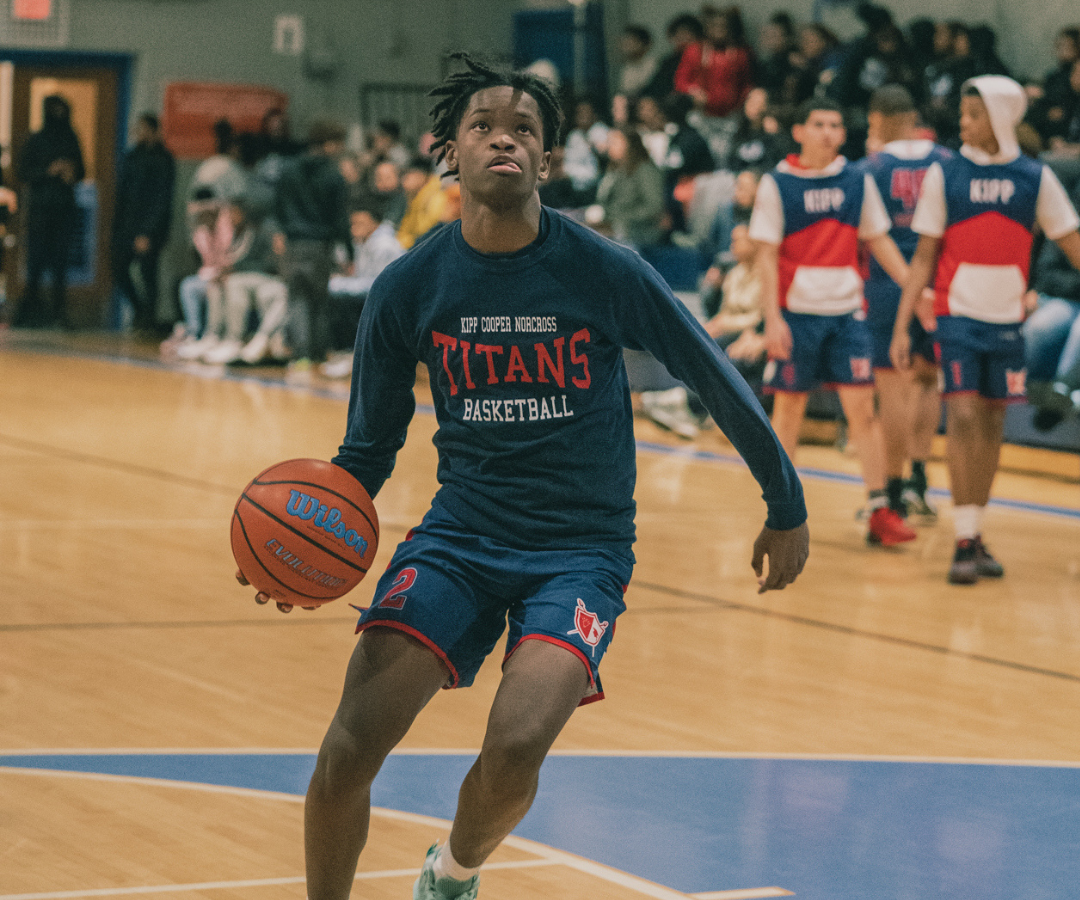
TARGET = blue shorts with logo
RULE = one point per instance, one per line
(455, 592)
(826, 351)
(981, 358)
(922, 343)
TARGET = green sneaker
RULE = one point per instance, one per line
(918, 508)
(428, 888)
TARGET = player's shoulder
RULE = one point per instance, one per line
(584, 248)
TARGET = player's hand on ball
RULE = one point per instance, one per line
(260, 597)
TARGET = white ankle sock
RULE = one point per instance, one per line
(967, 520)
(445, 866)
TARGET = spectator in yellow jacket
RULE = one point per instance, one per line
(426, 201)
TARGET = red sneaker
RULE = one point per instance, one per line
(887, 528)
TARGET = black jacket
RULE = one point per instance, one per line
(310, 203)
(144, 193)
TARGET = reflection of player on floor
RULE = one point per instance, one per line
(520, 316)
(909, 402)
(809, 216)
(976, 217)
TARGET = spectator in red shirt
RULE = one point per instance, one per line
(716, 72)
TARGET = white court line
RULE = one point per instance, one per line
(473, 751)
(548, 855)
(253, 882)
(750, 894)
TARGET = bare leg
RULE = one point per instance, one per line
(927, 409)
(787, 418)
(894, 391)
(391, 677)
(865, 430)
(541, 687)
(975, 430)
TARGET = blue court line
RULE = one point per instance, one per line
(827, 829)
(706, 456)
(713, 456)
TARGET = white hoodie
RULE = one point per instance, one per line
(1006, 104)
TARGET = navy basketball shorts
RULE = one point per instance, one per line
(456, 592)
(922, 344)
(826, 351)
(981, 358)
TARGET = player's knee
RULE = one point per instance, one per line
(347, 761)
(962, 415)
(515, 756)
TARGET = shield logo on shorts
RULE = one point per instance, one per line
(588, 626)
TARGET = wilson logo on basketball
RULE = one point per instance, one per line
(309, 509)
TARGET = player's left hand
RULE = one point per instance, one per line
(260, 597)
(787, 552)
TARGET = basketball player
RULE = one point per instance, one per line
(909, 403)
(809, 215)
(975, 218)
(520, 316)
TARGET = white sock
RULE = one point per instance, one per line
(967, 520)
(445, 866)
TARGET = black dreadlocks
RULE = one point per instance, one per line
(457, 89)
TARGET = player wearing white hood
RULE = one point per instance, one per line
(976, 218)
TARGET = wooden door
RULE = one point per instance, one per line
(92, 94)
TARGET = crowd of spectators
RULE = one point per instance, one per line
(668, 165)
(288, 236)
(715, 110)
(716, 104)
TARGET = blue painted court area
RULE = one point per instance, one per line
(825, 829)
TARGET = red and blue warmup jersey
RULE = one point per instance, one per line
(986, 248)
(819, 254)
(899, 180)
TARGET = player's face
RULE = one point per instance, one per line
(499, 150)
(975, 127)
(821, 136)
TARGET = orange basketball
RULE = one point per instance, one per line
(304, 532)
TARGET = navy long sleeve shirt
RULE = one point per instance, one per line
(535, 438)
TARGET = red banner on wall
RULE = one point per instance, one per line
(192, 107)
(31, 10)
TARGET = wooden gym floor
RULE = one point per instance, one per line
(870, 732)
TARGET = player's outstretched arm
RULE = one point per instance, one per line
(787, 552)
(919, 274)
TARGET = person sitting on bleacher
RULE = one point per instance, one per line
(1052, 336)
(735, 322)
(630, 199)
(426, 200)
(375, 246)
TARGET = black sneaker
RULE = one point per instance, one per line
(965, 566)
(987, 566)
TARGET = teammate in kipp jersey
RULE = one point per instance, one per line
(809, 216)
(520, 316)
(976, 219)
(909, 402)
